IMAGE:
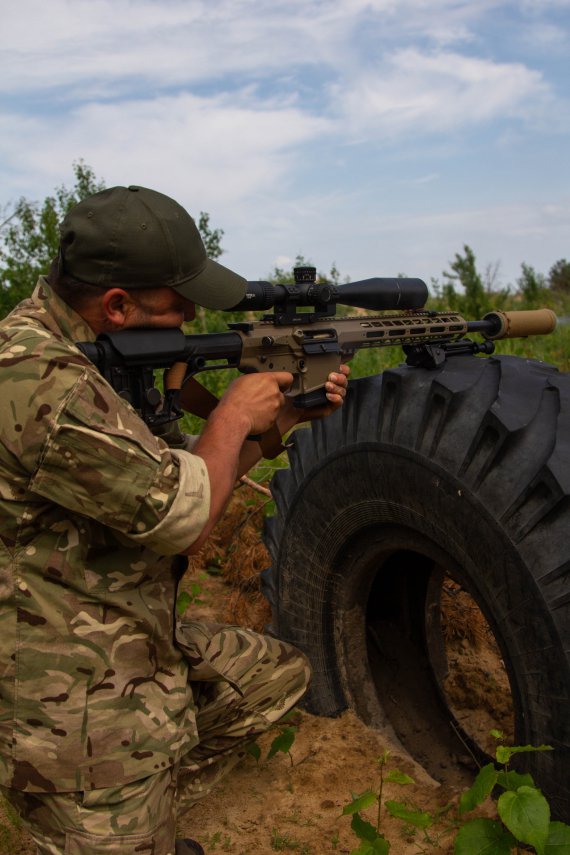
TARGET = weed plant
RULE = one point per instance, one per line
(523, 813)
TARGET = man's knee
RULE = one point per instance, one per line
(241, 657)
(287, 673)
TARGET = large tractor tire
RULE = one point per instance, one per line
(428, 486)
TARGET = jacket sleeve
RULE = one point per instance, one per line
(100, 460)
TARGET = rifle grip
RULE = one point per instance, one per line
(307, 400)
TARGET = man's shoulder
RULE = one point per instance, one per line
(29, 350)
(39, 367)
(43, 321)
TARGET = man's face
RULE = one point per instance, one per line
(161, 307)
(119, 309)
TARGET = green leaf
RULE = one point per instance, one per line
(418, 818)
(363, 829)
(526, 814)
(558, 842)
(497, 734)
(183, 601)
(254, 751)
(293, 713)
(483, 837)
(361, 802)
(214, 570)
(283, 742)
(380, 846)
(505, 752)
(510, 780)
(480, 789)
(394, 776)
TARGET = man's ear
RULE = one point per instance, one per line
(118, 305)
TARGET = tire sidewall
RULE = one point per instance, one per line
(391, 497)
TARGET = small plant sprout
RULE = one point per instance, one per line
(189, 598)
(283, 742)
(372, 839)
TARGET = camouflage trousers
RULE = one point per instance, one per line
(242, 683)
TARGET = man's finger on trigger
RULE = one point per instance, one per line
(284, 379)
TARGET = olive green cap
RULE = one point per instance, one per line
(133, 237)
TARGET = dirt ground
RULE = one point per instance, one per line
(293, 802)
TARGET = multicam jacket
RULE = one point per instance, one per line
(93, 690)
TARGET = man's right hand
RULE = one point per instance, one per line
(250, 405)
(258, 398)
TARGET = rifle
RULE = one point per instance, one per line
(308, 344)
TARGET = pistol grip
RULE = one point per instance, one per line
(316, 398)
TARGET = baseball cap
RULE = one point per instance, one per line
(133, 237)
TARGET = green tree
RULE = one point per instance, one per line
(210, 321)
(474, 301)
(212, 237)
(531, 285)
(479, 293)
(30, 236)
(559, 276)
(287, 276)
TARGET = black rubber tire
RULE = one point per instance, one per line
(464, 469)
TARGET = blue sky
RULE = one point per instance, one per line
(379, 135)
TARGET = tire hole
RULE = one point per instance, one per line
(476, 687)
(435, 666)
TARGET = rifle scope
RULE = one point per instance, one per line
(376, 294)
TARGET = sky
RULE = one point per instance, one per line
(380, 136)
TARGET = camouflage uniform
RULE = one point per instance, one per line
(103, 714)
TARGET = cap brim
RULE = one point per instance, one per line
(215, 287)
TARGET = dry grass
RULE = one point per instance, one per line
(461, 617)
(235, 551)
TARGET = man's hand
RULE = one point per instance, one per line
(258, 398)
(335, 386)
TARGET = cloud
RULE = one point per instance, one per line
(424, 179)
(181, 42)
(250, 109)
(215, 149)
(505, 233)
(438, 91)
(356, 62)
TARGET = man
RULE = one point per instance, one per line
(110, 717)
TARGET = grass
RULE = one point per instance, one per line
(13, 838)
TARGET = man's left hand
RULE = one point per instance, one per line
(335, 388)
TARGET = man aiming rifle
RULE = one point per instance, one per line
(112, 718)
